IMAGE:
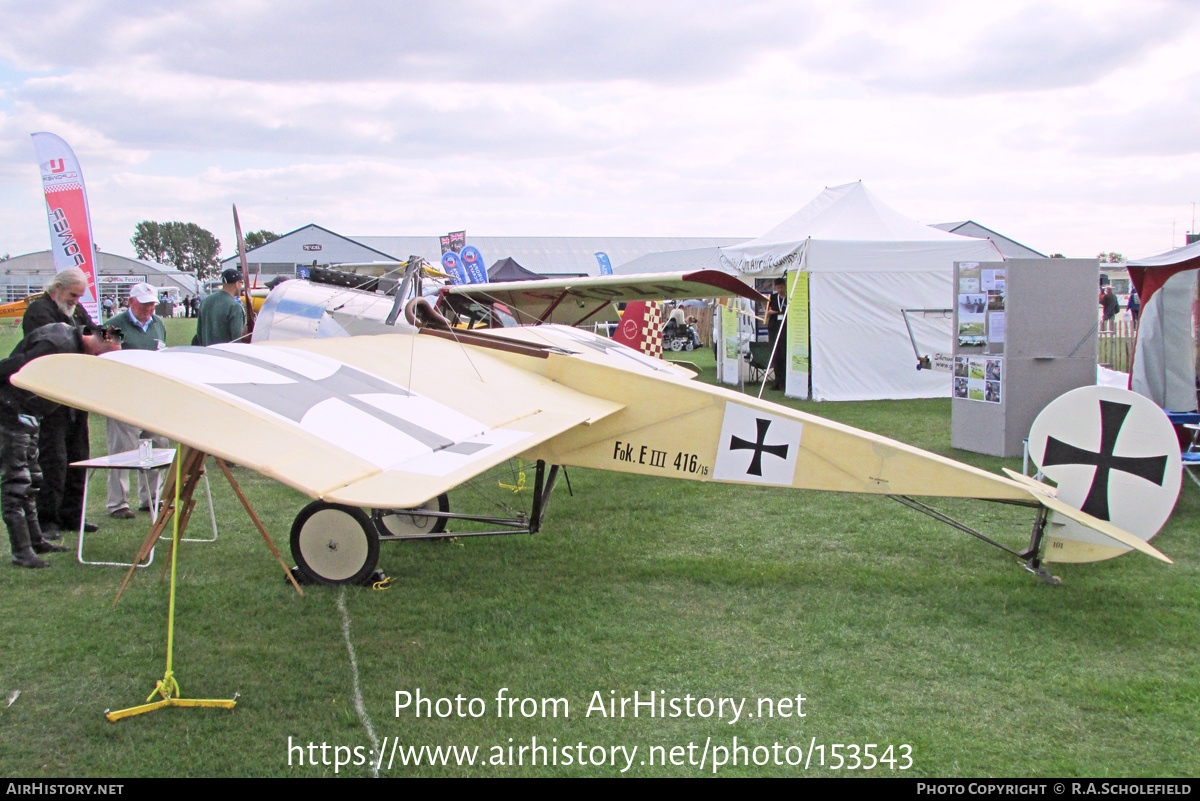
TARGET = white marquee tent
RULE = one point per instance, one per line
(866, 262)
(1164, 361)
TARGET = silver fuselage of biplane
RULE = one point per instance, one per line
(307, 310)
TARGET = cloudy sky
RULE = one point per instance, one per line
(1071, 126)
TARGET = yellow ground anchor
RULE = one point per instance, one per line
(168, 688)
(520, 485)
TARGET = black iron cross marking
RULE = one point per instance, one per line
(293, 400)
(738, 444)
(1112, 417)
(610, 348)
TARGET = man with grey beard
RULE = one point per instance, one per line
(64, 433)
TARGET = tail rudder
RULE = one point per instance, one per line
(1115, 460)
(641, 327)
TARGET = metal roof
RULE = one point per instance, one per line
(1011, 248)
(548, 255)
(545, 255)
(671, 261)
(41, 264)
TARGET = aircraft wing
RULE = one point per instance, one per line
(570, 301)
(340, 419)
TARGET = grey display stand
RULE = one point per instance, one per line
(1049, 347)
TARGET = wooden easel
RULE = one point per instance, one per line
(192, 471)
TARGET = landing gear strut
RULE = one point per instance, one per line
(337, 544)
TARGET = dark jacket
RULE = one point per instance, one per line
(53, 338)
(42, 310)
(1112, 305)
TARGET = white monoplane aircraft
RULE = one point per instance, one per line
(390, 422)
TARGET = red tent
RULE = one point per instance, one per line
(1151, 273)
(1164, 360)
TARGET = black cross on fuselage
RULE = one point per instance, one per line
(738, 444)
(1112, 416)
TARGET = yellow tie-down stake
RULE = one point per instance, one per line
(168, 688)
(520, 485)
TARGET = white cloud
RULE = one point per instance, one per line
(520, 41)
(543, 117)
(964, 49)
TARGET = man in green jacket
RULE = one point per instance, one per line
(222, 316)
(143, 330)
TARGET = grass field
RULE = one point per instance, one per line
(895, 630)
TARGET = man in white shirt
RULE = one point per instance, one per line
(143, 330)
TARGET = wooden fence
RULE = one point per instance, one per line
(1115, 346)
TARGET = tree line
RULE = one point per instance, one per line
(187, 246)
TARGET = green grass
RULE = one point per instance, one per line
(896, 630)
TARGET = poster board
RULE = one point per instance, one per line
(1024, 333)
(733, 326)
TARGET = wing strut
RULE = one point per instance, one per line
(593, 312)
(541, 494)
(411, 274)
(554, 305)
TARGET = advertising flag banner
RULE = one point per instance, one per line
(472, 261)
(457, 240)
(67, 212)
(605, 264)
(797, 337)
(453, 266)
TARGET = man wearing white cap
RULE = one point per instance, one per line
(143, 330)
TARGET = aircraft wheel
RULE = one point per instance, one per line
(397, 523)
(334, 544)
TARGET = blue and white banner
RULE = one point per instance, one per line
(472, 261)
(453, 266)
(605, 266)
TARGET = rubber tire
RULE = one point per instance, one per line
(690, 346)
(396, 522)
(676, 345)
(334, 544)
